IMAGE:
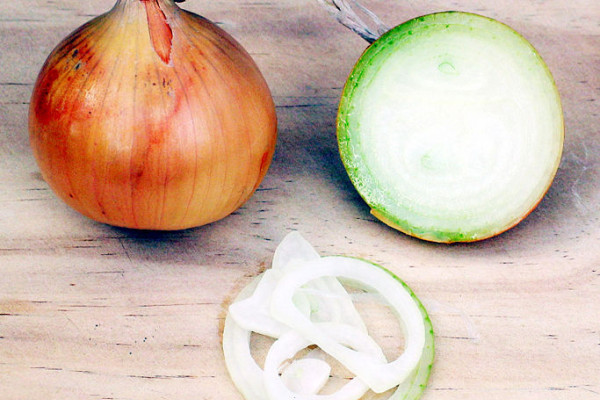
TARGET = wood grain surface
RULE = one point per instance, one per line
(88, 311)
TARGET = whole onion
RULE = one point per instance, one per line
(152, 117)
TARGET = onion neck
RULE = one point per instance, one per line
(160, 2)
(158, 13)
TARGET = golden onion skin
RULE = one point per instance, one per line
(151, 117)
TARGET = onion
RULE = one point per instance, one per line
(450, 125)
(152, 117)
(274, 305)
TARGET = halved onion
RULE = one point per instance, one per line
(300, 302)
(450, 127)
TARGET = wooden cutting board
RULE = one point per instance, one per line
(88, 311)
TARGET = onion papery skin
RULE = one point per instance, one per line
(152, 117)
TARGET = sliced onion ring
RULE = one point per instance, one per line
(380, 376)
(246, 374)
(329, 322)
(291, 342)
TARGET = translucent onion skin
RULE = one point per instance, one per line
(151, 117)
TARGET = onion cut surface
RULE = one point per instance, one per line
(301, 302)
(451, 128)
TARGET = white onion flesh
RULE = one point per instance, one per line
(451, 128)
(289, 344)
(300, 302)
(306, 376)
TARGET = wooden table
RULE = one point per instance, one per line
(88, 311)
